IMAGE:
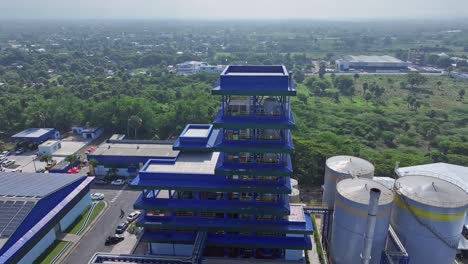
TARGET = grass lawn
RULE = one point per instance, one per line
(50, 252)
(78, 223)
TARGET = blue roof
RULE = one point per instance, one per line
(44, 204)
(251, 78)
(196, 137)
(34, 134)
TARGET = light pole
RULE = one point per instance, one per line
(34, 163)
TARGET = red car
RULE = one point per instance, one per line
(73, 170)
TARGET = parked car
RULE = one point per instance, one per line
(118, 182)
(100, 182)
(2, 159)
(73, 170)
(5, 153)
(19, 151)
(121, 227)
(8, 163)
(133, 216)
(112, 240)
(97, 196)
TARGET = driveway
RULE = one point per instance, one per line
(93, 241)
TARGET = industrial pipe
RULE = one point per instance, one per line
(371, 221)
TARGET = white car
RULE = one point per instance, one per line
(118, 182)
(5, 153)
(133, 215)
(97, 196)
(7, 163)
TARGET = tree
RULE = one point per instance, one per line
(322, 70)
(415, 79)
(47, 158)
(367, 97)
(299, 76)
(365, 86)
(356, 76)
(439, 83)
(92, 163)
(461, 93)
(135, 122)
(345, 85)
(71, 158)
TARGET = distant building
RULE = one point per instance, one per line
(88, 132)
(193, 67)
(35, 208)
(49, 147)
(371, 63)
(36, 135)
(417, 56)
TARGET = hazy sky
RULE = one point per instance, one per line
(229, 9)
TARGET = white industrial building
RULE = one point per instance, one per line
(49, 147)
(193, 67)
(371, 63)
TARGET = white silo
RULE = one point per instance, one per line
(350, 220)
(428, 216)
(342, 167)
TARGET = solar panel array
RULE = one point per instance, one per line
(12, 214)
(34, 184)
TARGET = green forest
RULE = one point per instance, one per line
(105, 76)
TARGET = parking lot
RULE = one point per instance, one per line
(28, 161)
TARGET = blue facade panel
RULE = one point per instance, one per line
(39, 248)
(239, 197)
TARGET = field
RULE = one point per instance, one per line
(386, 130)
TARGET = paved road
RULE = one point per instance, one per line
(93, 241)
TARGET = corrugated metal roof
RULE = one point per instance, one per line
(33, 132)
(23, 184)
(371, 59)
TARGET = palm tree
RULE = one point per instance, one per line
(135, 122)
(47, 158)
(92, 163)
(461, 93)
(72, 158)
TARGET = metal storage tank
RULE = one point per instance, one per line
(350, 220)
(428, 217)
(342, 167)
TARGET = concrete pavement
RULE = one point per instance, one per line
(93, 240)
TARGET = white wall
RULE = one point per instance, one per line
(70, 217)
(39, 248)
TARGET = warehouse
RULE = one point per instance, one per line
(371, 63)
(34, 208)
(127, 156)
(36, 135)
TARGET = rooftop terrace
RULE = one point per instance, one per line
(196, 163)
(142, 150)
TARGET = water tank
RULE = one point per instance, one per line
(342, 167)
(428, 216)
(350, 220)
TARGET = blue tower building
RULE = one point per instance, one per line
(226, 193)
